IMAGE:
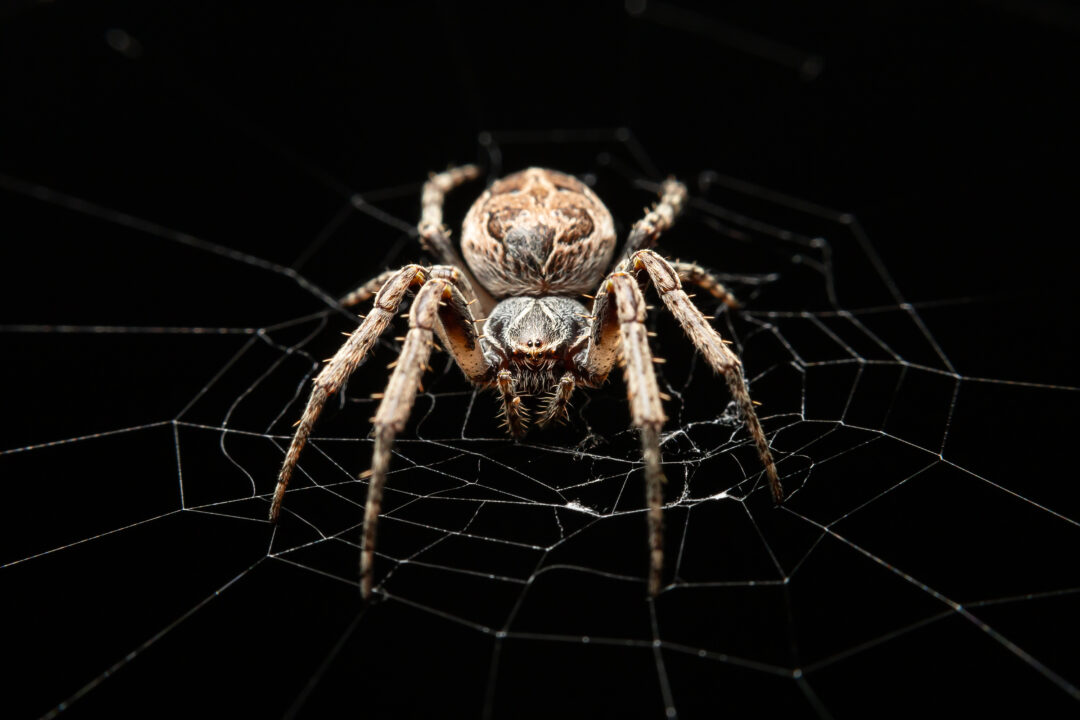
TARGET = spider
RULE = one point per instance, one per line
(533, 242)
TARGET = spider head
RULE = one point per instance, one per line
(534, 334)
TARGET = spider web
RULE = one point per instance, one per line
(922, 505)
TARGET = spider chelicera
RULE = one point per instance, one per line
(533, 242)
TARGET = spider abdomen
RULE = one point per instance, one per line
(538, 232)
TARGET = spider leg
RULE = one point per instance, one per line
(341, 366)
(709, 343)
(697, 275)
(457, 326)
(619, 322)
(457, 329)
(646, 230)
(435, 238)
(440, 307)
(393, 412)
(558, 406)
(368, 289)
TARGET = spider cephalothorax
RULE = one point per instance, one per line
(534, 241)
(535, 338)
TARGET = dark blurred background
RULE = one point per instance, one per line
(948, 130)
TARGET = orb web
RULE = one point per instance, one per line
(510, 575)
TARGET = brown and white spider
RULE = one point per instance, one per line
(533, 242)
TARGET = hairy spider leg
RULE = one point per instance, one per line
(436, 300)
(660, 218)
(368, 289)
(665, 279)
(642, 387)
(619, 322)
(341, 366)
(435, 237)
(454, 325)
(697, 275)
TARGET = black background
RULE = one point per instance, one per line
(949, 132)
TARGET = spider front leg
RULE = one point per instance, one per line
(665, 279)
(341, 366)
(393, 412)
(440, 308)
(619, 321)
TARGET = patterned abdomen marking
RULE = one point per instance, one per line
(538, 232)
